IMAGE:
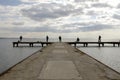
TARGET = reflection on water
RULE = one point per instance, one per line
(9, 56)
(107, 55)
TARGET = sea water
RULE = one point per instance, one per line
(108, 55)
(10, 55)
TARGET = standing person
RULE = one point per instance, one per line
(60, 39)
(47, 38)
(21, 38)
(99, 38)
(78, 39)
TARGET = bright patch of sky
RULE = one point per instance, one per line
(114, 3)
(56, 17)
(10, 2)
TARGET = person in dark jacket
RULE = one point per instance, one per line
(60, 39)
(21, 38)
(47, 38)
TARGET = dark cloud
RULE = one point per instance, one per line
(18, 23)
(95, 27)
(75, 25)
(100, 5)
(92, 12)
(49, 11)
(33, 29)
(77, 28)
(86, 27)
(36, 29)
(29, 29)
(44, 29)
(116, 16)
(39, 29)
(85, 0)
(10, 2)
(118, 5)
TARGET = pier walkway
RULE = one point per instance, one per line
(60, 61)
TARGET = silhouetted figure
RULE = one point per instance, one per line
(60, 39)
(21, 38)
(99, 39)
(78, 40)
(47, 38)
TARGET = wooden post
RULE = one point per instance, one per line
(42, 44)
(75, 44)
(30, 44)
(113, 44)
(118, 44)
(102, 44)
(84, 44)
(17, 44)
(99, 44)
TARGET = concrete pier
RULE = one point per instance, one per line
(60, 61)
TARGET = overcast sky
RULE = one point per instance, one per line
(68, 18)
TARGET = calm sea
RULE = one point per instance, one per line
(108, 55)
(10, 56)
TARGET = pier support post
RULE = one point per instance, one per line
(102, 44)
(113, 44)
(84, 44)
(75, 44)
(118, 44)
(17, 44)
(42, 44)
(31, 44)
(99, 44)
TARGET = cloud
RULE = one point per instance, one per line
(36, 29)
(28, 29)
(92, 12)
(87, 27)
(18, 23)
(100, 5)
(77, 24)
(58, 16)
(96, 27)
(85, 0)
(116, 16)
(68, 28)
(118, 6)
(39, 29)
(32, 1)
(46, 11)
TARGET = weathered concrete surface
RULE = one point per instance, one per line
(59, 47)
(81, 65)
(59, 70)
